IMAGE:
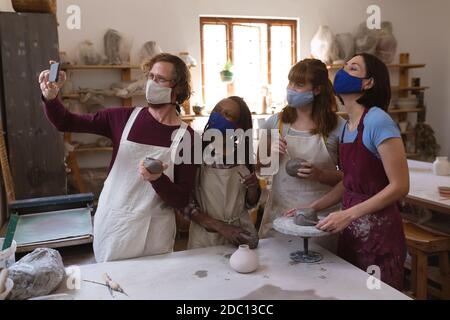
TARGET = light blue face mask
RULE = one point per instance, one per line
(299, 99)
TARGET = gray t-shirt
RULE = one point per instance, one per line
(332, 142)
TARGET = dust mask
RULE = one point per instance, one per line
(157, 94)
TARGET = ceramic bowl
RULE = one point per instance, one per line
(293, 165)
(153, 166)
(306, 217)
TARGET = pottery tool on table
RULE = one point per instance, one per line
(104, 284)
(112, 286)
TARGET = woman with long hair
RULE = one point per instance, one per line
(309, 130)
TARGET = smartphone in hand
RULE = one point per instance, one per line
(54, 72)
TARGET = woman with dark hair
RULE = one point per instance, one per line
(373, 160)
(309, 129)
(225, 190)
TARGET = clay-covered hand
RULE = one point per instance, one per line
(291, 212)
(335, 222)
(150, 177)
(309, 171)
(236, 235)
(278, 146)
(49, 89)
(251, 181)
(190, 210)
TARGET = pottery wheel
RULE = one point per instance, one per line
(287, 225)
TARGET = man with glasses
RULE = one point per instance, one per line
(135, 214)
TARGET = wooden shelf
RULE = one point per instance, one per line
(77, 95)
(395, 65)
(408, 155)
(407, 65)
(92, 149)
(407, 110)
(71, 96)
(391, 111)
(395, 88)
(98, 67)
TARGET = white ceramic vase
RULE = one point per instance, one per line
(441, 166)
(244, 260)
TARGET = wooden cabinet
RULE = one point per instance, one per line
(35, 148)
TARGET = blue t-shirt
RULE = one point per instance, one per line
(378, 126)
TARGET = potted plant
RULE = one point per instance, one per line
(226, 74)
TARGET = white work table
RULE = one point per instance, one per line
(205, 274)
(424, 187)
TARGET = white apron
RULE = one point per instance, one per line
(131, 219)
(220, 194)
(290, 192)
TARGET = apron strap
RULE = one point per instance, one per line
(129, 125)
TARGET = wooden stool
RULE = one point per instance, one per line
(422, 244)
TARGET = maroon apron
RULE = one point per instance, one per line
(374, 239)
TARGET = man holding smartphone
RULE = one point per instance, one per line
(135, 214)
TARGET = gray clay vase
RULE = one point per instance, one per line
(306, 217)
(293, 165)
(153, 166)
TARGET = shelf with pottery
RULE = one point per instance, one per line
(72, 161)
(92, 149)
(398, 65)
(98, 66)
(392, 111)
(77, 95)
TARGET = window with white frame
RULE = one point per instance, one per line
(261, 52)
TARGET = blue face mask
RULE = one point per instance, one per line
(219, 122)
(299, 99)
(345, 83)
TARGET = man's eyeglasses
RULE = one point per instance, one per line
(158, 79)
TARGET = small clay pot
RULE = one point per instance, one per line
(244, 260)
(293, 165)
(154, 166)
(306, 217)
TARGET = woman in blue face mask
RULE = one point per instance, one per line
(224, 190)
(309, 130)
(373, 160)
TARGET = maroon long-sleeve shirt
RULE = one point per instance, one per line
(146, 129)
